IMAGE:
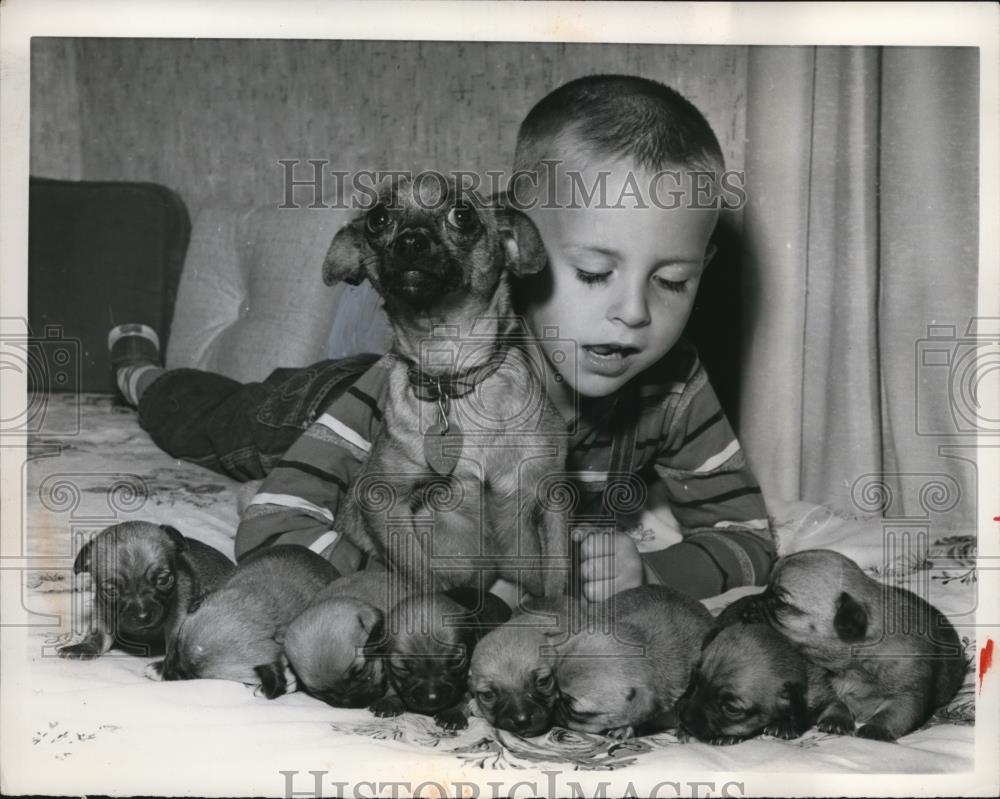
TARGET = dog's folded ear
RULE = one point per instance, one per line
(180, 542)
(83, 558)
(851, 619)
(343, 259)
(521, 241)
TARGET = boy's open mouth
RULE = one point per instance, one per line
(610, 351)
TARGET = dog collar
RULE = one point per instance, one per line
(438, 388)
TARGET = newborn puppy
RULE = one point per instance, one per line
(333, 646)
(511, 674)
(144, 575)
(750, 680)
(893, 657)
(430, 640)
(626, 680)
(236, 633)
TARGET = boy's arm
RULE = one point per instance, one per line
(298, 501)
(727, 537)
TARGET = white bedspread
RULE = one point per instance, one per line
(100, 726)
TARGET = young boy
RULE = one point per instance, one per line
(612, 166)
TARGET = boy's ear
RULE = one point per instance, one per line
(343, 259)
(521, 241)
(710, 252)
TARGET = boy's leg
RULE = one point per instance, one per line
(240, 430)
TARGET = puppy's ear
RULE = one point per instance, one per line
(83, 558)
(521, 241)
(343, 259)
(272, 679)
(180, 542)
(851, 620)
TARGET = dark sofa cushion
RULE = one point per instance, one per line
(99, 253)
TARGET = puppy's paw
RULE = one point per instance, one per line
(684, 736)
(387, 707)
(726, 740)
(836, 722)
(453, 718)
(621, 733)
(784, 729)
(85, 650)
(875, 732)
(154, 671)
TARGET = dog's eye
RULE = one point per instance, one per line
(487, 697)
(164, 580)
(543, 682)
(110, 589)
(378, 219)
(731, 708)
(463, 218)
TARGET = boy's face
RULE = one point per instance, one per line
(622, 276)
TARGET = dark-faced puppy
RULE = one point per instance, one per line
(236, 633)
(469, 439)
(625, 678)
(334, 646)
(750, 680)
(512, 671)
(144, 575)
(893, 658)
(429, 643)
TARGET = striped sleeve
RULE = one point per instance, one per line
(298, 501)
(718, 503)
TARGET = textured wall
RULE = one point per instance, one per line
(211, 118)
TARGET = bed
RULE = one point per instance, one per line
(101, 726)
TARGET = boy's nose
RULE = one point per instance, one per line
(631, 310)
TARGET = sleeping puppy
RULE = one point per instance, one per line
(893, 658)
(334, 645)
(626, 680)
(750, 680)
(511, 674)
(236, 633)
(429, 644)
(144, 575)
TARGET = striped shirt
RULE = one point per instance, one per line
(665, 427)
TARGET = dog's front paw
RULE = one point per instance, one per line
(875, 732)
(836, 723)
(621, 733)
(387, 707)
(453, 718)
(85, 650)
(784, 729)
(726, 740)
(154, 671)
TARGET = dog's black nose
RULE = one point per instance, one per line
(412, 243)
(521, 720)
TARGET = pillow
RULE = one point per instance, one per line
(251, 297)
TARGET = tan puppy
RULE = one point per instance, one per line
(512, 675)
(144, 576)
(469, 439)
(236, 632)
(333, 646)
(751, 680)
(626, 680)
(893, 657)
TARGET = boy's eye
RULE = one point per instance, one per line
(677, 286)
(591, 278)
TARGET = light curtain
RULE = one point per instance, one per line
(861, 233)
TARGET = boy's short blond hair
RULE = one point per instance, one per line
(619, 116)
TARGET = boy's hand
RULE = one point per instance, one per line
(609, 562)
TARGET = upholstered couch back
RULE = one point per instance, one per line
(252, 298)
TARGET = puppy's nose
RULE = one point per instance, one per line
(412, 243)
(522, 720)
(142, 615)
